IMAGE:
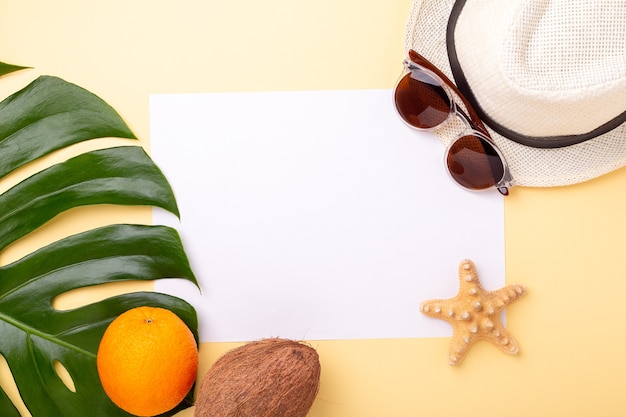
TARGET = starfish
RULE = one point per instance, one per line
(475, 314)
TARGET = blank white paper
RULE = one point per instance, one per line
(316, 215)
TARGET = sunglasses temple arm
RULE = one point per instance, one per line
(473, 118)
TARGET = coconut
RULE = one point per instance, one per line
(265, 378)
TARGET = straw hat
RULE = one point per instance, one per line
(548, 77)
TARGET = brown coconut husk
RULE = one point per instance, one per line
(266, 378)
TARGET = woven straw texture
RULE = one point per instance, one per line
(564, 65)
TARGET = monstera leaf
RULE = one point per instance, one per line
(35, 338)
(7, 68)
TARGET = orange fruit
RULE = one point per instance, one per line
(147, 361)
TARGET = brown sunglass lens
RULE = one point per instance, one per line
(474, 163)
(421, 101)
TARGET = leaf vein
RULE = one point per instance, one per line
(31, 331)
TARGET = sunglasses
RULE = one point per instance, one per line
(423, 99)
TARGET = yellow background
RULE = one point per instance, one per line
(565, 244)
